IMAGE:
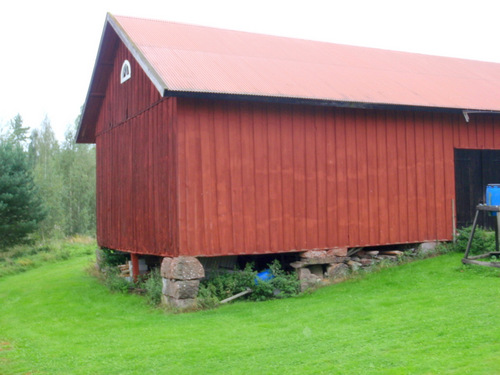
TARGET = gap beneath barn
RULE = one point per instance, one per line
(181, 275)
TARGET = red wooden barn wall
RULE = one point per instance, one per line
(136, 189)
(206, 177)
(256, 178)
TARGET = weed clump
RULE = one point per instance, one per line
(223, 285)
(153, 287)
(482, 242)
(149, 285)
(20, 258)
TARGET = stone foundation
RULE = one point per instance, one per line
(181, 279)
(321, 266)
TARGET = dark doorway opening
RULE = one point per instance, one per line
(474, 169)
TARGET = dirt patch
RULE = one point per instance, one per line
(5, 345)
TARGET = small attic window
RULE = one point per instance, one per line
(126, 72)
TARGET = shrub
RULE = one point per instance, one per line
(483, 241)
(115, 282)
(153, 287)
(112, 258)
(226, 284)
(206, 298)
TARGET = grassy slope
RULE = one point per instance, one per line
(428, 317)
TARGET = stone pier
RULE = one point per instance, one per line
(181, 279)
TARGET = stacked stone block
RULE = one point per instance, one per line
(181, 279)
(316, 266)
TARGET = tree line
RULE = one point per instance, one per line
(47, 187)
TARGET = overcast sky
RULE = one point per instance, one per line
(49, 47)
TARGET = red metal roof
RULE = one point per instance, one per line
(188, 58)
(185, 59)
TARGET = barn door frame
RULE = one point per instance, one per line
(474, 169)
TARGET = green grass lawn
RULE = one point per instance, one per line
(428, 317)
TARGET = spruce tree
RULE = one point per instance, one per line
(20, 204)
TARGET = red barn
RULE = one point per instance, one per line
(213, 142)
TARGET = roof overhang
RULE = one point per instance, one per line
(114, 33)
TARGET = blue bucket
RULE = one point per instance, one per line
(265, 275)
(493, 196)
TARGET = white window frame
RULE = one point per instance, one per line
(126, 71)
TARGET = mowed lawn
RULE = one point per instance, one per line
(428, 317)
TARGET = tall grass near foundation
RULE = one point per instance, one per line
(21, 258)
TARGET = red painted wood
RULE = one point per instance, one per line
(402, 183)
(237, 197)
(287, 168)
(135, 266)
(223, 177)
(275, 180)
(382, 179)
(449, 172)
(352, 186)
(207, 177)
(330, 202)
(439, 181)
(372, 178)
(248, 178)
(299, 181)
(496, 133)
(134, 141)
(393, 201)
(362, 178)
(311, 182)
(321, 179)
(343, 211)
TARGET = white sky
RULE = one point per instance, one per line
(48, 48)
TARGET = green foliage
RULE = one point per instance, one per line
(115, 282)
(76, 165)
(20, 204)
(226, 284)
(18, 134)
(64, 175)
(206, 297)
(112, 258)
(21, 258)
(482, 242)
(150, 284)
(43, 151)
(153, 287)
(283, 284)
(110, 276)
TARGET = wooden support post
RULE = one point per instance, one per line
(466, 259)
(135, 266)
(471, 234)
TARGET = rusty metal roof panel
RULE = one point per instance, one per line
(196, 59)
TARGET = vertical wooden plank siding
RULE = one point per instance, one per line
(264, 178)
(136, 165)
(210, 177)
(136, 206)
